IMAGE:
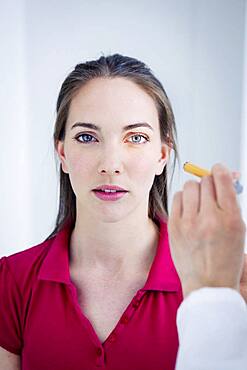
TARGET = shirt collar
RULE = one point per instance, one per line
(162, 275)
(55, 266)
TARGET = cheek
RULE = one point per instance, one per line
(79, 175)
(81, 166)
(79, 171)
(143, 170)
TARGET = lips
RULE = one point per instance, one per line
(110, 187)
(108, 191)
(109, 196)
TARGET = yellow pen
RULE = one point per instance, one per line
(198, 171)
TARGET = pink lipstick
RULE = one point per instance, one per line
(109, 195)
(109, 192)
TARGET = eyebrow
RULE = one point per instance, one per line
(125, 128)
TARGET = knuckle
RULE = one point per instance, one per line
(235, 223)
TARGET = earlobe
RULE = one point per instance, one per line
(60, 152)
(165, 152)
(162, 166)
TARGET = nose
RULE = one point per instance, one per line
(110, 172)
(111, 167)
(110, 164)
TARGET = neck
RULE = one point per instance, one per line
(113, 247)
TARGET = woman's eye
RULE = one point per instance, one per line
(88, 136)
(84, 135)
(140, 136)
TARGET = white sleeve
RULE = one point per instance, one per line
(212, 330)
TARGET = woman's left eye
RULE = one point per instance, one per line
(138, 135)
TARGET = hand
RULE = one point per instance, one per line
(207, 233)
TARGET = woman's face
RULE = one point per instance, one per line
(111, 155)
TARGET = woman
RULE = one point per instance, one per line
(101, 290)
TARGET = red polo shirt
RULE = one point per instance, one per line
(41, 320)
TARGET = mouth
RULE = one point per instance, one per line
(110, 195)
(110, 188)
(110, 191)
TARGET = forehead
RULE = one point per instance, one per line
(112, 99)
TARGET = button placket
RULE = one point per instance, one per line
(99, 352)
(136, 303)
(137, 300)
(124, 319)
(99, 357)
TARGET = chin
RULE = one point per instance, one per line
(111, 215)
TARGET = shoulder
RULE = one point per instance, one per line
(24, 266)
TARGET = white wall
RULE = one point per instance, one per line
(243, 146)
(16, 166)
(195, 48)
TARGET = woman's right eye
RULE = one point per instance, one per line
(84, 141)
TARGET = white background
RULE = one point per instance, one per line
(196, 48)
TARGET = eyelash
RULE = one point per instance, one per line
(82, 134)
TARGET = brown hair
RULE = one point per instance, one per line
(132, 69)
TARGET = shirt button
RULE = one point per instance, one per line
(124, 320)
(99, 351)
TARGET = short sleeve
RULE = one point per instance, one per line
(10, 310)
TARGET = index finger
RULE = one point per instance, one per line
(208, 194)
(225, 192)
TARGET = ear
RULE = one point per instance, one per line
(165, 154)
(61, 154)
